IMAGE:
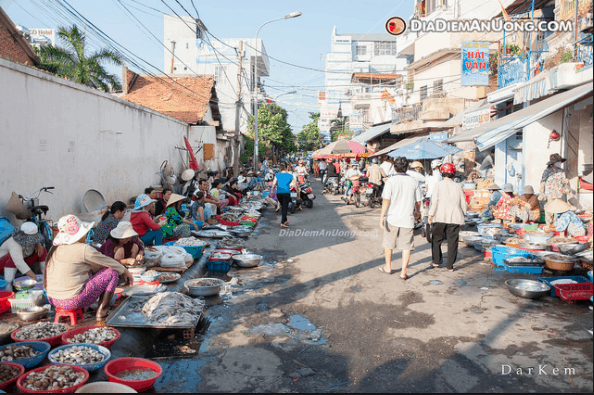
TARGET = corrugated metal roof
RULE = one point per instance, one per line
(372, 133)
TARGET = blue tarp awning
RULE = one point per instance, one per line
(372, 133)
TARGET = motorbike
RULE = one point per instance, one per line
(295, 202)
(332, 186)
(373, 193)
(356, 192)
(307, 195)
(36, 213)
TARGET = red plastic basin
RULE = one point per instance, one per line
(81, 330)
(7, 384)
(52, 341)
(69, 390)
(4, 303)
(122, 364)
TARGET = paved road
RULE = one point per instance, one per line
(318, 316)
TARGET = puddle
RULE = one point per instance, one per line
(179, 376)
(270, 330)
(300, 323)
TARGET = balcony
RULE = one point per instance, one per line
(584, 50)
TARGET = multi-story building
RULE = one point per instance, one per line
(359, 68)
(190, 51)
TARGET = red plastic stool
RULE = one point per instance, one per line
(73, 314)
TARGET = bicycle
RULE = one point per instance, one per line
(37, 213)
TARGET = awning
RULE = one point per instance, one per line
(397, 145)
(372, 133)
(457, 119)
(496, 131)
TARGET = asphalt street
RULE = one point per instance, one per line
(318, 316)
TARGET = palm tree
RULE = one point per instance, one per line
(71, 62)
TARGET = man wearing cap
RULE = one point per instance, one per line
(147, 228)
(416, 172)
(23, 249)
(565, 220)
(527, 207)
(77, 275)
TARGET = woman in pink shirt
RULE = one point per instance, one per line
(148, 229)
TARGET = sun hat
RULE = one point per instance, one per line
(558, 206)
(175, 198)
(509, 188)
(554, 158)
(494, 187)
(416, 164)
(142, 201)
(123, 230)
(188, 175)
(528, 190)
(71, 229)
(27, 235)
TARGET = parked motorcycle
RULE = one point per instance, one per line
(35, 213)
(356, 192)
(307, 195)
(373, 194)
(295, 202)
(332, 186)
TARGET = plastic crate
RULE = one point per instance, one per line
(524, 269)
(219, 266)
(574, 292)
(500, 254)
(548, 280)
(20, 304)
(195, 251)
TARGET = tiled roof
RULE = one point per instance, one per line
(186, 99)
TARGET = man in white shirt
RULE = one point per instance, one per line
(434, 178)
(388, 167)
(401, 206)
(352, 174)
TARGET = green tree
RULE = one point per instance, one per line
(72, 62)
(340, 128)
(274, 133)
(310, 137)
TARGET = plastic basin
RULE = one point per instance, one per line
(123, 364)
(7, 384)
(52, 341)
(90, 367)
(105, 387)
(69, 390)
(3, 283)
(81, 330)
(195, 251)
(39, 346)
(4, 296)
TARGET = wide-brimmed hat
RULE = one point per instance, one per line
(494, 187)
(188, 175)
(71, 229)
(123, 230)
(528, 190)
(174, 199)
(554, 158)
(509, 188)
(142, 201)
(27, 235)
(558, 206)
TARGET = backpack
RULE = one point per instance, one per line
(6, 229)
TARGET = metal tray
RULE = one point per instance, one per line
(135, 319)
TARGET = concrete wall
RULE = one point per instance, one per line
(59, 133)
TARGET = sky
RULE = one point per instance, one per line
(302, 41)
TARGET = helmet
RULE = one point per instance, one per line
(447, 168)
(436, 163)
(354, 163)
(416, 164)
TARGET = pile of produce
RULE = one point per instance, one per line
(42, 330)
(53, 378)
(15, 352)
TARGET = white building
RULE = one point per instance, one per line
(350, 66)
(195, 53)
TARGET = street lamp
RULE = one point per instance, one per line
(288, 16)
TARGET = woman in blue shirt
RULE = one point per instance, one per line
(282, 181)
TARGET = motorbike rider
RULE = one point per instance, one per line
(332, 171)
(323, 169)
(301, 172)
(375, 173)
(352, 174)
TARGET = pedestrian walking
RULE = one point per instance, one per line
(446, 214)
(401, 206)
(282, 182)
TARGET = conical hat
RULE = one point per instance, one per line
(558, 206)
(174, 198)
(188, 175)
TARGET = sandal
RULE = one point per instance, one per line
(435, 265)
(284, 226)
(383, 270)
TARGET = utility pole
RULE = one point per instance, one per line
(237, 112)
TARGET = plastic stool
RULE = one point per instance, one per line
(73, 314)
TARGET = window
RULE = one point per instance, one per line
(361, 50)
(384, 48)
(438, 86)
(220, 74)
(423, 92)
(187, 46)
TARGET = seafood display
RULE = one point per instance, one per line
(53, 378)
(16, 352)
(151, 273)
(172, 308)
(189, 242)
(231, 242)
(94, 336)
(42, 330)
(562, 240)
(78, 355)
(8, 372)
(169, 277)
(136, 374)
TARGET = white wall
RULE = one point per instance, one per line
(54, 132)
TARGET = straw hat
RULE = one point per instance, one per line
(188, 175)
(142, 201)
(71, 229)
(509, 188)
(554, 158)
(528, 190)
(174, 199)
(123, 230)
(558, 206)
(27, 235)
(494, 187)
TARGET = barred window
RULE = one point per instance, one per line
(361, 50)
(385, 48)
(423, 92)
(437, 86)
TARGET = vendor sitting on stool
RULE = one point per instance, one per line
(123, 245)
(503, 207)
(527, 207)
(23, 249)
(495, 197)
(77, 275)
(565, 219)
